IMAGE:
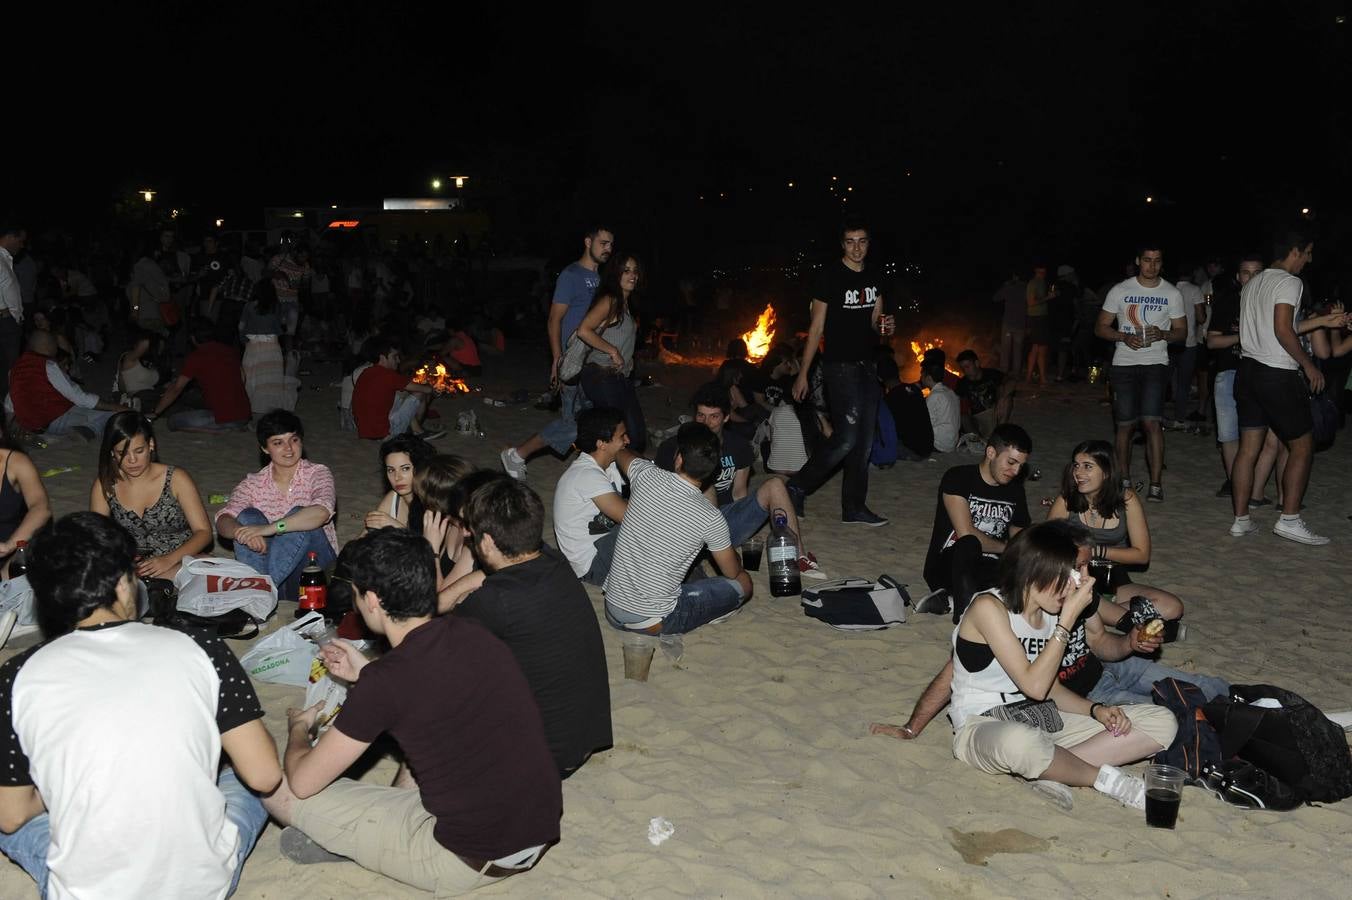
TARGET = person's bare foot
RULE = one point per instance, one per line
(900, 732)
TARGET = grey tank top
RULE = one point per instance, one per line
(621, 336)
(1114, 536)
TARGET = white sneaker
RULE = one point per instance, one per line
(513, 464)
(1299, 532)
(7, 623)
(1243, 527)
(1055, 793)
(1125, 789)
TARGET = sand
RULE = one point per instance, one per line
(756, 746)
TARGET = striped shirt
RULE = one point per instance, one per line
(666, 525)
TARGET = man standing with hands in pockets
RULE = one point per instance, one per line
(847, 306)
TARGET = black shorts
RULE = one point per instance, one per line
(1272, 398)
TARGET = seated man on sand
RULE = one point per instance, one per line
(282, 513)
(588, 506)
(215, 367)
(534, 604)
(988, 393)
(385, 401)
(980, 509)
(43, 399)
(114, 736)
(912, 434)
(668, 522)
(487, 800)
(1114, 669)
(746, 512)
(944, 407)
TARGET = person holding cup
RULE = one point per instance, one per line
(1008, 648)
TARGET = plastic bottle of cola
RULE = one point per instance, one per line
(314, 588)
(782, 550)
(18, 564)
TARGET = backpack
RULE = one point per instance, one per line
(857, 604)
(1197, 746)
(884, 438)
(1295, 743)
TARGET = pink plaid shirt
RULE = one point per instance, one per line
(312, 485)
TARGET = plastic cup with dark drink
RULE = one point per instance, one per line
(1163, 794)
(751, 554)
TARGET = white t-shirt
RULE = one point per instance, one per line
(121, 731)
(1257, 306)
(1192, 295)
(574, 509)
(945, 412)
(1137, 306)
(667, 523)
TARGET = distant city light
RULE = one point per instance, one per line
(220, 223)
(833, 178)
(333, 206)
(460, 180)
(790, 184)
(173, 214)
(1149, 199)
(1304, 210)
(298, 215)
(436, 184)
(849, 188)
(148, 195)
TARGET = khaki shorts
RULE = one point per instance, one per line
(1008, 748)
(386, 830)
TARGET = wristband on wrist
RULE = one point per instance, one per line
(280, 525)
(1092, 707)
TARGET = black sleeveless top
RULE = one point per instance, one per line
(12, 505)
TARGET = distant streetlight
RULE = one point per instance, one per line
(849, 188)
(1304, 210)
(460, 180)
(148, 195)
(1149, 199)
(436, 184)
(173, 214)
(220, 223)
(790, 184)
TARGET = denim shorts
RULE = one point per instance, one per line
(1138, 393)
(1227, 414)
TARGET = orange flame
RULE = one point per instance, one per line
(440, 380)
(758, 339)
(919, 350)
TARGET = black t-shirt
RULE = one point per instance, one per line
(1080, 668)
(911, 416)
(994, 508)
(542, 613)
(850, 298)
(981, 395)
(737, 454)
(455, 700)
(1225, 319)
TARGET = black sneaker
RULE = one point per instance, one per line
(1224, 490)
(1155, 494)
(797, 496)
(864, 516)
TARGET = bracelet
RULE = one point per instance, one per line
(908, 730)
(1092, 707)
(1100, 551)
(1060, 633)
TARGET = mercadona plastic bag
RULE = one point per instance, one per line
(285, 656)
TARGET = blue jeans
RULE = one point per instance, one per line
(1227, 414)
(698, 603)
(605, 555)
(560, 433)
(852, 392)
(28, 846)
(286, 554)
(745, 517)
(79, 417)
(404, 411)
(203, 420)
(606, 387)
(1129, 681)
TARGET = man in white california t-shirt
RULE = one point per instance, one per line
(588, 506)
(1149, 316)
(1269, 391)
(114, 736)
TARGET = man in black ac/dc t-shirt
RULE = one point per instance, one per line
(847, 306)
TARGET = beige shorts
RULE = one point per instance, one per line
(1000, 748)
(386, 830)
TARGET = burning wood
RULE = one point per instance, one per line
(919, 350)
(758, 339)
(439, 379)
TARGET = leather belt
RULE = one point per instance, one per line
(492, 871)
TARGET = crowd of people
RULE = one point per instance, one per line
(492, 679)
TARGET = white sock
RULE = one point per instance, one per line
(1243, 518)
(1290, 518)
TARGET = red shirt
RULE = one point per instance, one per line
(373, 398)
(215, 367)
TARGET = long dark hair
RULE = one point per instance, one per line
(1039, 557)
(610, 288)
(265, 296)
(1110, 500)
(122, 427)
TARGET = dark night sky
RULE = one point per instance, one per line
(1036, 131)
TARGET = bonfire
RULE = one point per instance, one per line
(439, 379)
(758, 339)
(919, 350)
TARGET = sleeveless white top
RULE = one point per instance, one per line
(976, 692)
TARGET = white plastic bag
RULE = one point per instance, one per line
(327, 689)
(211, 586)
(285, 656)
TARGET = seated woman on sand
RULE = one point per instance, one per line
(1008, 647)
(24, 507)
(402, 458)
(443, 486)
(1092, 494)
(157, 504)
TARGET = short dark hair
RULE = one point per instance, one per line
(380, 345)
(888, 370)
(398, 566)
(1144, 246)
(1009, 435)
(1287, 239)
(9, 225)
(714, 394)
(852, 224)
(596, 228)
(457, 498)
(1255, 256)
(967, 354)
(595, 425)
(510, 511)
(933, 371)
(74, 567)
(700, 451)
(934, 355)
(1041, 556)
(434, 484)
(279, 421)
(201, 329)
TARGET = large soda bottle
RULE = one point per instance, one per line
(782, 550)
(18, 563)
(314, 588)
